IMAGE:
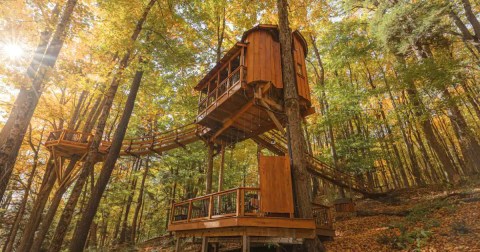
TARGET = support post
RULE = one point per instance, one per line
(177, 245)
(245, 243)
(204, 244)
(209, 174)
(221, 169)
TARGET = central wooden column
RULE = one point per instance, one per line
(221, 169)
(209, 173)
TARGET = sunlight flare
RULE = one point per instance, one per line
(13, 51)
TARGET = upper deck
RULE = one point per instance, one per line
(242, 96)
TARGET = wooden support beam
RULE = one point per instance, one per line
(155, 151)
(273, 104)
(272, 116)
(204, 244)
(177, 245)
(230, 121)
(209, 173)
(221, 169)
(245, 243)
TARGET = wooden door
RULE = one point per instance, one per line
(275, 185)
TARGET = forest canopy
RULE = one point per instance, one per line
(394, 84)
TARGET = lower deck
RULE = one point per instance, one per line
(238, 213)
(287, 228)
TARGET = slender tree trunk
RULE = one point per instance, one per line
(35, 216)
(83, 225)
(133, 184)
(12, 133)
(69, 208)
(300, 178)
(52, 210)
(21, 210)
(139, 200)
(468, 144)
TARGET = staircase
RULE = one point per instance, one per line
(277, 143)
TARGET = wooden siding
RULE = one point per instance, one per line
(301, 69)
(275, 185)
(262, 58)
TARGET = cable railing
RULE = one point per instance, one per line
(224, 89)
(230, 203)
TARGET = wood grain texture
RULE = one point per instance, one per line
(275, 184)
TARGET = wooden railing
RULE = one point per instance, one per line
(69, 136)
(233, 80)
(134, 146)
(231, 203)
(323, 216)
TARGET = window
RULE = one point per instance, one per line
(299, 69)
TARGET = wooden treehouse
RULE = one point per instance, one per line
(240, 98)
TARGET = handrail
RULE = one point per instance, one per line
(216, 205)
(219, 193)
(131, 145)
(204, 104)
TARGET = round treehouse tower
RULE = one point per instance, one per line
(242, 96)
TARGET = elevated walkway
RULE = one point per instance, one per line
(67, 143)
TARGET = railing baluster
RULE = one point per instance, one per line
(210, 206)
(189, 214)
(238, 202)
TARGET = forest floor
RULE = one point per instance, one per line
(427, 219)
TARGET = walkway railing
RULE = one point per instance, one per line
(231, 203)
(69, 137)
(134, 146)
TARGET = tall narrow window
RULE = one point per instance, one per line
(299, 69)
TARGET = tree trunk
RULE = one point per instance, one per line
(21, 210)
(296, 146)
(12, 133)
(69, 208)
(139, 201)
(52, 210)
(133, 184)
(83, 225)
(468, 144)
(36, 213)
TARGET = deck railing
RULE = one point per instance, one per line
(225, 88)
(322, 216)
(140, 145)
(231, 203)
(71, 136)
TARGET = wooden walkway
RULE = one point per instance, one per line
(67, 143)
